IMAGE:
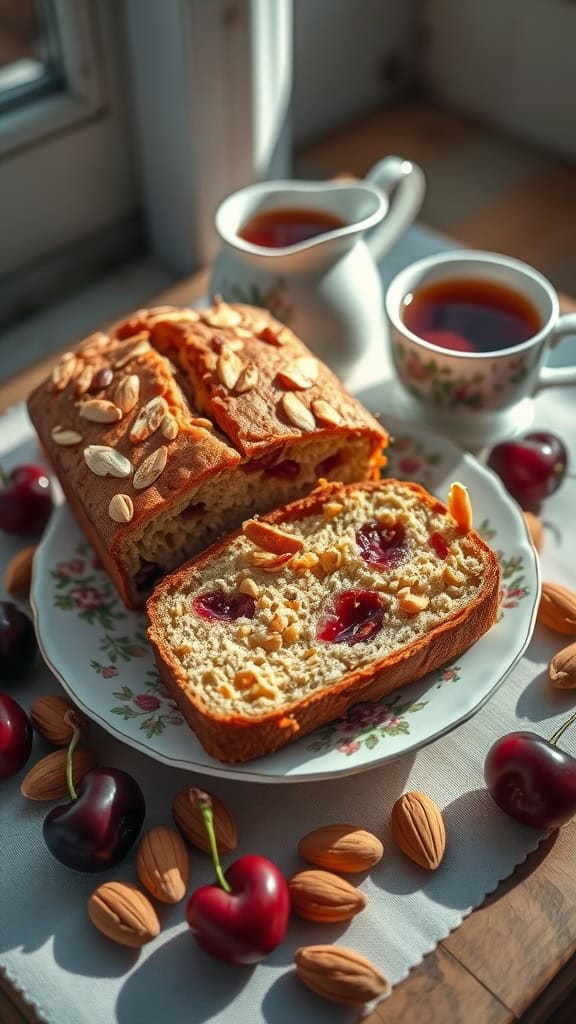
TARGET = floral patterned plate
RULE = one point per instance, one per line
(99, 651)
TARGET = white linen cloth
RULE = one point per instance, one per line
(73, 975)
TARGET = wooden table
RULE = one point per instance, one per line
(514, 958)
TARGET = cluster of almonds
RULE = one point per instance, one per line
(557, 611)
(46, 780)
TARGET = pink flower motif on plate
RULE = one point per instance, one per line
(147, 702)
(109, 671)
(68, 570)
(88, 599)
(349, 748)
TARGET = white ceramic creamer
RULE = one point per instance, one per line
(327, 288)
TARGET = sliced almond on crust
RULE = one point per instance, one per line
(228, 368)
(169, 427)
(326, 413)
(83, 380)
(296, 412)
(202, 422)
(139, 349)
(99, 410)
(149, 470)
(148, 419)
(105, 461)
(292, 377)
(221, 315)
(121, 508)
(270, 538)
(127, 392)
(247, 380)
(64, 371)
(94, 345)
(65, 436)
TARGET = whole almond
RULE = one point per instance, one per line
(100, 410)
(418, 828)
(557, 608)
(190, 824)
(324, 897)
(535, 529)
(121, 508)
(562, 668)
(102, 460)
(18, 574)
(247, 380)
(48, 718)
(124, 914)
(64, 437)
(163, 864)
(127, 392)
(47, 779)
(344, 848)
(228, 368)
(326, 413)
(148, 419)
(296, 412)
(340, 975)
(150, 469)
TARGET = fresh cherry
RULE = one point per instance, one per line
(17, 642)
(25, 500)
(531, 467)
(216, 604)
(351, 617)
(105, 814)
(245, 917)
(531, 780)
(15, 737)
(382, 546)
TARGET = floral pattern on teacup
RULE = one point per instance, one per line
(433, 380)
(272, 298)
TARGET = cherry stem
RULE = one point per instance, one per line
(562, 729)
(71, 720)
(3, 477)
(203, 801)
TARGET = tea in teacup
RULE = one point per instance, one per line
(470, 315)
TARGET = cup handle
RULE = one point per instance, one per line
(409, 185)
(550, 377)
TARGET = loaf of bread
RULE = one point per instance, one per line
(177, 425)
(337, 598)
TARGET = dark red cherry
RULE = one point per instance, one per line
(531, 467)
(383, 546)
(216, 604)
(15, 737)
(101, 380)
(97, 828)
(352, 617)
(531, 780)
(328, 464)
(193, 510)
(439, 544)
(25, 500)
(259, 465)
(18, 644)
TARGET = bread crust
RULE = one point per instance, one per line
(234, 739)
(243, 425)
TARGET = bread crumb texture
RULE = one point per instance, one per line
(250, 666)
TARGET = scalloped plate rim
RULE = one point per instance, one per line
(241, 772)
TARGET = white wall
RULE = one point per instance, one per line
(340, 50)
(511, 62)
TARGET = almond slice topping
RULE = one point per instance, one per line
(139, 349)
(148, 419)
(221, 315)
(121, 508)
(296, 412)
(105, 461)
(460, 506)
(64, 371)
(247, 380)
(83, 380)
(149, 470)
(127, 392)
(325, 413)
(99, 410)
(169, 427)
(65, 437)
(94, 345)
(294, 378)
(228, 368)
(270, 538)
(200, 421)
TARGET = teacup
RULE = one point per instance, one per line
(477, 397)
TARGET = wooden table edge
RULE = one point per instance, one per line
(544, 988)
